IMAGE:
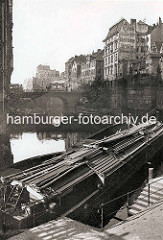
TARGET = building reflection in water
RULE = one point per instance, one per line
(136, 97)
(29, 145)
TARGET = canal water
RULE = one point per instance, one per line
(21, 142)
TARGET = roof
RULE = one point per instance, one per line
(80, 59)
(142, 23)
(98, 55)
(115, 29)
(70, 60)
(157, 36)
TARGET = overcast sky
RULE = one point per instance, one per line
(52, 31)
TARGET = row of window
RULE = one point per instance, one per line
(111, 59)
(111, 70)
(111, 48)
(88, 72)
(115, 37)
(88, 65)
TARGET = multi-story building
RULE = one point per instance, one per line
(28, 85)
(62, 76)
(93, 68)
(142, 32)
(68, 69)
(132, 48)
(155, 47)
(6, 53)
(76, 71)
(73, 71)
(44, 77)
(119, 49)
(16, 88)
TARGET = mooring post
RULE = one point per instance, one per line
(127, 204)
(102, 216)
(34, 215)
(150, 173)
(148, 194)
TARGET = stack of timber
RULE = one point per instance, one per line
(62, 182)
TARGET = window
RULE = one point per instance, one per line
(116, 45)
(116, 69)
(116, 57)
(111, 48)
(142, 49)
(111, 70)
(111, 58)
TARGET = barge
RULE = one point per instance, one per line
(59, 185)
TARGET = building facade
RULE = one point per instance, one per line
(6, 53)
(133, 48)
(119, 49)
(93, 68)
(76, 71)
(68, 70)
(44, 77)
(28, 85)
(16, 88)
(155, 47)
(142, 32)
(73, 72)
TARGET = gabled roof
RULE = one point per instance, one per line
(96, 55)
(115, 29)
(100, 55)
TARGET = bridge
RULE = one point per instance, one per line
(47, 101)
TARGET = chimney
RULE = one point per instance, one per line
(160, 22)
(132, 21)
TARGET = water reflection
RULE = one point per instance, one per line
(27, 145)
(135, 97)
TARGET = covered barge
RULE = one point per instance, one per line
(54, 187)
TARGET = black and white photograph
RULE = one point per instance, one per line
(81, 120)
